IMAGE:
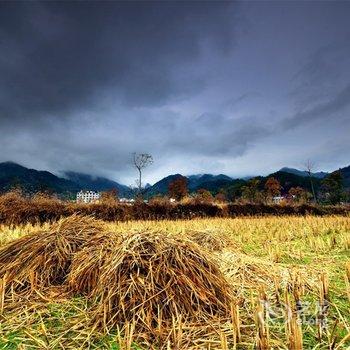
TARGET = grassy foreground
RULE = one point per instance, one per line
(290, 277)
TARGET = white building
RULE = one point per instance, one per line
(88, 196)
(126, 200)
(278, 199)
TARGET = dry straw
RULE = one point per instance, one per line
(262, 326)
(149, 278)
(244, 271)
(43, 259)
(347, 280)
(293, 328)
(212, 241)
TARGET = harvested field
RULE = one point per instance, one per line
(243, 283)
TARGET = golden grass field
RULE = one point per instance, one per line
(289, 277)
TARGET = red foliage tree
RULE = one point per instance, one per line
(272, 187)
(177, 189)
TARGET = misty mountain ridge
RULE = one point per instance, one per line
(14, 175)
(194, 183)
(304, 173)
(96, 183)
(288, 177)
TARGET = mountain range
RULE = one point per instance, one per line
(210, 182)
(96, 183)
(303, 173)
(31, 180)
(15, 175)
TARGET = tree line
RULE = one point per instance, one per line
(332, 190)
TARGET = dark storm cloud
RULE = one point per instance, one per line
(323, 85)
(205, 86)
(58, 57)
(324, 110)
(217, 135)
(323, 73)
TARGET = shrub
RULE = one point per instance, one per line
(16, 209)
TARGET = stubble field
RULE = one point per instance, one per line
(287, 284)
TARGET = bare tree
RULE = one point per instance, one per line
(309, 166)
(140, 162)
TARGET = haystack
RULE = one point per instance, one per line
(88, 264)
(148, 279)
(43, 259)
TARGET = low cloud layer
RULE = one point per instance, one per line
(203, 86)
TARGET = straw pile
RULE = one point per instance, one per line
(43, 259)
(148, 279)
(87, 265)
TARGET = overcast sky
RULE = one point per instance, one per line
(240, 88)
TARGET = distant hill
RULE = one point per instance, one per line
(288, 180)
(161, 187)
(319, 175)
(214, 186)
(14, 175)
(212, 183)
(95, 183)
(205, 181)
(346, 176)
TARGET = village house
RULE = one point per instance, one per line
(126, 200)
(278, 199)
(285, 198)
(87, 196)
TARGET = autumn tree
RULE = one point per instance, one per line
(251, 190)
(140, 162)
(296, 192)
(234, 191)
(272, 187)
(177, 189)
(110, 196)
(221, 197)
(204, 196)
(333, 187)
